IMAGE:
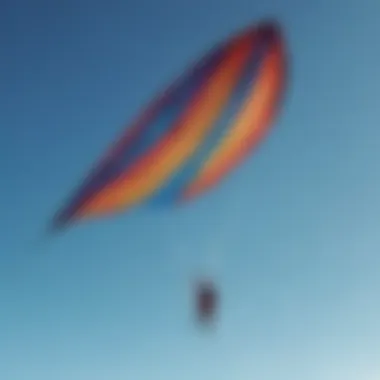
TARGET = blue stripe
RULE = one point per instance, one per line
(176, 102)
(173, 189)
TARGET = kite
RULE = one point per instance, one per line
(193, 134)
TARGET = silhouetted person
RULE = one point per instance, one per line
(207, 300)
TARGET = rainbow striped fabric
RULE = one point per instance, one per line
(195, 133)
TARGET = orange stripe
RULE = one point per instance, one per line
(250, 126)
(154, 168)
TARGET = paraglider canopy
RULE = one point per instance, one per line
(194, 133)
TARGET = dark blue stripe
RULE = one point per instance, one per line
(176, 102)
(172, 190)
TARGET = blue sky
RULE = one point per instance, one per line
(291, 238)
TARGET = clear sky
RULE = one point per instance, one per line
(292, 237)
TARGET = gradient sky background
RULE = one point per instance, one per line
(292, 237)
